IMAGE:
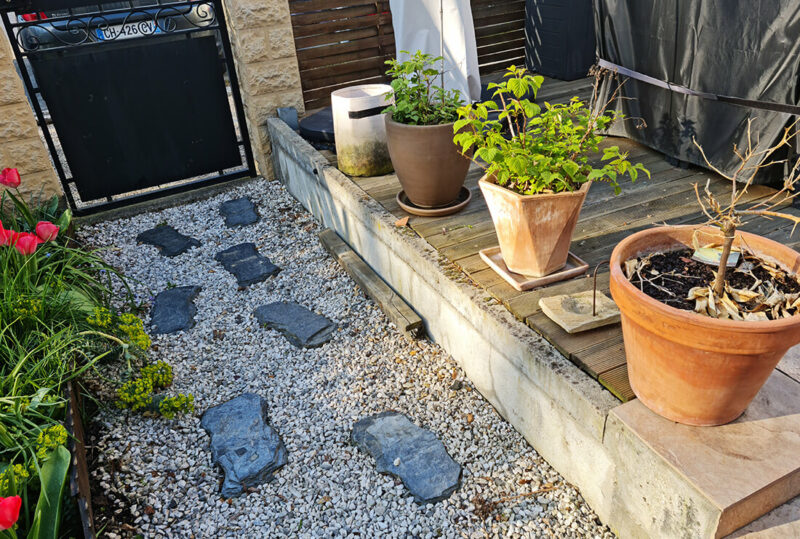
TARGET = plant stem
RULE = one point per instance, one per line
(729, 231)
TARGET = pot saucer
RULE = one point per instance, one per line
(464, 196)
(494, 258)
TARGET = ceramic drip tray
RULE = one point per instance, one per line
(573, 312)
(494, 258)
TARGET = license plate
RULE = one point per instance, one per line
(128, 30)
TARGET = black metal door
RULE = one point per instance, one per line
(135, 99)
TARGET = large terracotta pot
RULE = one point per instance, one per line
(427, 162)
(688, 367)
(534, 231)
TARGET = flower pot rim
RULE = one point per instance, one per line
(681, 315)
(491, 182)
(389, 119)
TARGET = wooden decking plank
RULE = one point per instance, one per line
(472, 264)
(603, 356)
(616, 381)
(569, 344)
(470, 247)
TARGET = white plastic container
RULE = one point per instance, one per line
(360, 129)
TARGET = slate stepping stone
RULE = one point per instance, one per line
(247, 449)
(174, 310)
(169, 241)
(301, 327)
(409, 452)
(238, 212)
(247, 265)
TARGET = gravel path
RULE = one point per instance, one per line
(162, 469)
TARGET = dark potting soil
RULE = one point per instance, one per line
(669, 276)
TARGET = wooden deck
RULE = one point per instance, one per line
(668, 197)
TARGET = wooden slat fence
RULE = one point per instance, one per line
(341, 43)
(500, 33)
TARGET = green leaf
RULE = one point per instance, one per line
(53, 478)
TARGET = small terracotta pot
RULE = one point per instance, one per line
(534, 231)
(688, 367)
(427, 162)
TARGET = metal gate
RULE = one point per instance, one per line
(136, 99)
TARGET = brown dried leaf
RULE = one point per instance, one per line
(630, 267)
(755, 317)
(701, 305)
(698, 292)
(775, 298)
(400, 223)
(742, 295)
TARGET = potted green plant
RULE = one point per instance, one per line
(419, 132)
(708, 311)
(538, 167)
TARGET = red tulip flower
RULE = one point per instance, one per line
(10, 177)
(9, 511)
(46, 230)
(26, 243)
(6, 236)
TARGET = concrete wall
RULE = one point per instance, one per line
(269, 77)
(20, 144)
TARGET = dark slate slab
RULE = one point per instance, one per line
(169, 241)
(174, 310)
(301, 327)
(246, 264)
(247, 449)
(238, 212)
(409, 452)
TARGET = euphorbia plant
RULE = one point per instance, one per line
(532, 150)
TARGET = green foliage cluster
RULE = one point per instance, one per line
(418, 100)
(57, 323)
(533, 150)
(139, 393)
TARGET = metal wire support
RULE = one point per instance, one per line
(594, 287)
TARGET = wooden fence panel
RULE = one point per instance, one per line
(340, 43)
(500, 33)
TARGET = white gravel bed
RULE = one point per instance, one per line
(163, 468)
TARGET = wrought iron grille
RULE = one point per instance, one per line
(101, 26)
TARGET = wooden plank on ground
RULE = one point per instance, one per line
(616, 381)
(395, 307)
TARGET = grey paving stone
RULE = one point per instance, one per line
(238, 212)
(247, 449)
(409, 452)
(246, 263)
(169, 241)
(300, 326)
(174, 310)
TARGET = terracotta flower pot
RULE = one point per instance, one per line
(427, 162)
(688, 367)
(534, 231)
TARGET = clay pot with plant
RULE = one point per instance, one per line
(419, 132)
(538, 167)
(708, 311)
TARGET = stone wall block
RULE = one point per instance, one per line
(28, 155)
(17, 123)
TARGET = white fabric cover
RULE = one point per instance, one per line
(416, 27)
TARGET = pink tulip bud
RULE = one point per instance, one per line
(46, 230)
(26, 243)
(10, 177)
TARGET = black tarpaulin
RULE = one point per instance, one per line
(748, 49)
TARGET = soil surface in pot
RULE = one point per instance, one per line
(755, 289)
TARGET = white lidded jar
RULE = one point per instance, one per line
(359, 127)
